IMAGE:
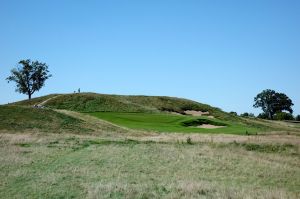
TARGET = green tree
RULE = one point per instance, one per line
(272, 102)
(245, 114)
(262, 116)
(283, 116)
(233, 113)
(297, 118)
(251, 115)
(29, 76)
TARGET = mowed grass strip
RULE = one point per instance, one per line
(161, 122)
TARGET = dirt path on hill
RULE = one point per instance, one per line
(44, 102)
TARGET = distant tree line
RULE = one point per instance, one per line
(277, 116)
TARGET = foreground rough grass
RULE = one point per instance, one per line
(71, 166)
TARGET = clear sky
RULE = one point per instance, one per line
(214, 51)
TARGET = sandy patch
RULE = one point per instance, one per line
(210, 126)
(196, 113)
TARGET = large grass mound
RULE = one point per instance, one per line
(19, 118)
(92, 102)
(147, 112)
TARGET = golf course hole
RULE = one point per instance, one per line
(203, 123)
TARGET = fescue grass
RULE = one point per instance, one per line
(18, 118)
(77, 167)
(161, 122)
(268, 148)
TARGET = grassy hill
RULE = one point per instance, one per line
(18, 118)
(154, 113)
(92, 102)
(150, 113)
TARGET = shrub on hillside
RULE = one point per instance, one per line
(191, 106)
(247, 115)
(283, 116)
(251, 115)
(167, 109)
(297, 118)
(189, 140)
(233, 113)
(170, 109)
(244, 115)
(262, 116)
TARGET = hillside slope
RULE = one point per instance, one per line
(92, 102)
(18, 119)
(34, 101)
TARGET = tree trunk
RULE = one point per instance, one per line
(270, 116)
(29, 96)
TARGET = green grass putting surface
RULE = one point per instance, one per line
(161, 122)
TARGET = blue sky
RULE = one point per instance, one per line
(218, 52)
